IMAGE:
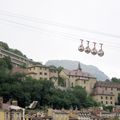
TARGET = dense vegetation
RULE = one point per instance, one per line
(115, 80)
(6, 47)
(25, 90)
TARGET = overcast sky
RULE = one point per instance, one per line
(51, 29)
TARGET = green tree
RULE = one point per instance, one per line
(60, 69)
(16, 52)
(108, 108)
(8, 62)
(5, 68)
(115, 80)
(61, 81)
(4, 45)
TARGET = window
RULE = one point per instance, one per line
(118, 89)
(84, 81)
(7, 115)
(111, 88)
(111, 102)
(102, 102)
(106, 97)
(106, 102)
(40, 73)
(45, 73)
(71, 84)
(101, 97)
(105, 88)
(110, 98)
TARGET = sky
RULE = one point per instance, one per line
(51, 30)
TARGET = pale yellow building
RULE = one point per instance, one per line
(69, 114)
(78, 77)
(106, 92)
(106, 99)
(43, 72)
(58, 114)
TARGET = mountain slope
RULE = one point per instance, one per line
(68, 64)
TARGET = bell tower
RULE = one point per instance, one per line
(79, 67)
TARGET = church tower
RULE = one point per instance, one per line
(79, 67)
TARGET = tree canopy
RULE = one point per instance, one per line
(6, 47)
(115, 80)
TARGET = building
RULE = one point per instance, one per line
(58, 114)
(16, 59)
(43, 72)
(106, 92)
(105, 98)
(78, 77)
(72, 114)
(84, 115)
(11, 112)
(37, 116)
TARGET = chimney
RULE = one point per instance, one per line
(1, 102)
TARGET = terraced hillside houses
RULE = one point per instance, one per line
(17, 60)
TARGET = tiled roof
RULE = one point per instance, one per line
(107, 84)
(78, 73)
(106, 94)
(31, 73)
(72, 118)
(40, 66)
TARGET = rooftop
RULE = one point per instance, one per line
(78, 73)
(107, 84)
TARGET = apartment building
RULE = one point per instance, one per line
(105, 98)
(106, 92)
(43, 72)
(16, 59)
(78, 77)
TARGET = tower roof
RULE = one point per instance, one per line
(79, 67)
